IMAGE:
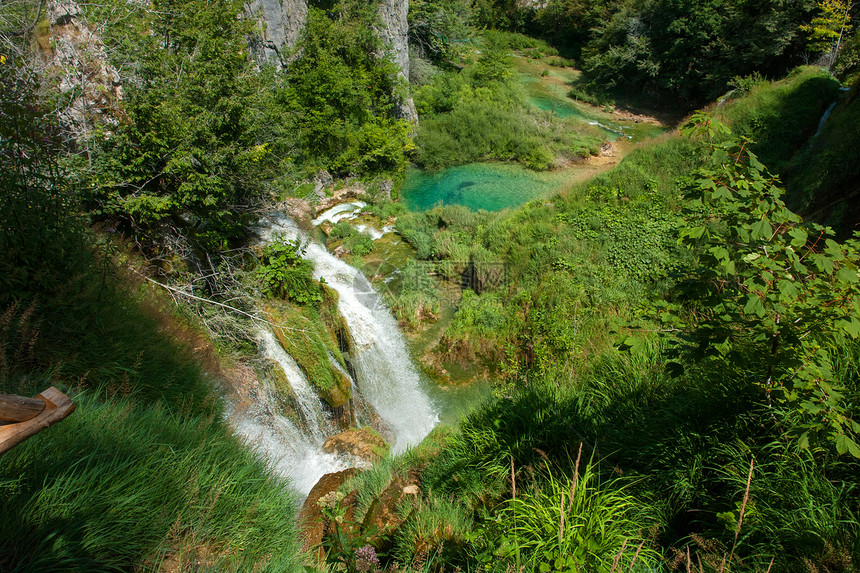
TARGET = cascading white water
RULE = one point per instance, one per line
(385, 374)
(823, 119)
(317, 423)
(290, 451)
(293, 451)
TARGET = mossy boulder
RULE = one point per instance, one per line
(314, 346)
(363, 444)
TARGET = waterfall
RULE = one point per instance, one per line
(823, 119)
(293, 451)
(723, 99)
(315, 418)
(386, 378)
(385, 374)
(290, 451)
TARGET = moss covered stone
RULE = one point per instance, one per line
(314, 346)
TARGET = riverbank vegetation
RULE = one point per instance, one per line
(480, 113)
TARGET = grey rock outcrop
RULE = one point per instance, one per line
(76, 60)
(280, 23)
(394, 33)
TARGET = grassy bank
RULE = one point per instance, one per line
(588, 457)
(144, 474)
(587, 254)
(480, 113)
(120, 486)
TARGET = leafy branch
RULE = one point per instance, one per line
(765, 284)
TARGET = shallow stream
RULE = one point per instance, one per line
(494, 186)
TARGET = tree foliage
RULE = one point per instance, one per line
(690, 50)
(41, 241)
(827, 29)
(766, 285)
(188, 154)
(436, 25)
(340, 96)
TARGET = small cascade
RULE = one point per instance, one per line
(385, 374)
(293, 450)
(386, 393)
(290, 451)
(823, 120)
(317, 422)
(725, 98)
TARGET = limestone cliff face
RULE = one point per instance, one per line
(394, 31)
(75, 59)
(280, 25)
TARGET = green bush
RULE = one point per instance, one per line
(358, 244)
(284, 273)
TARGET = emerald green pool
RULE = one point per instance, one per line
(488, 186)
(497, 186)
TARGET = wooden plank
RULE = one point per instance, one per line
(57, 407)
(18, 408)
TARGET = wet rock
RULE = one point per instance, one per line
(312, 521)
(351, 192)
(362, 444)
(383, 516)
(299, 211)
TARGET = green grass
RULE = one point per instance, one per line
(823, 181)
(317, 340)
(116, 486)
(781, 117)
(684, 448)
(143, 471)
(474, 116)
(587, 254)
(571, 521)
(435, 528)
(105, 337)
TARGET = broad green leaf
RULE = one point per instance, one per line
(798, 237)
(847, 275)
(761, 229)
(720, 253)
(822, 262)
(694, 232)
(788, 289)
(845, 444)
(851, 326)
(834, 249)
(754, 305)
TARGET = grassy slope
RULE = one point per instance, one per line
(821, 173)
(824, 182)
(144, 469)
(682, 446)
